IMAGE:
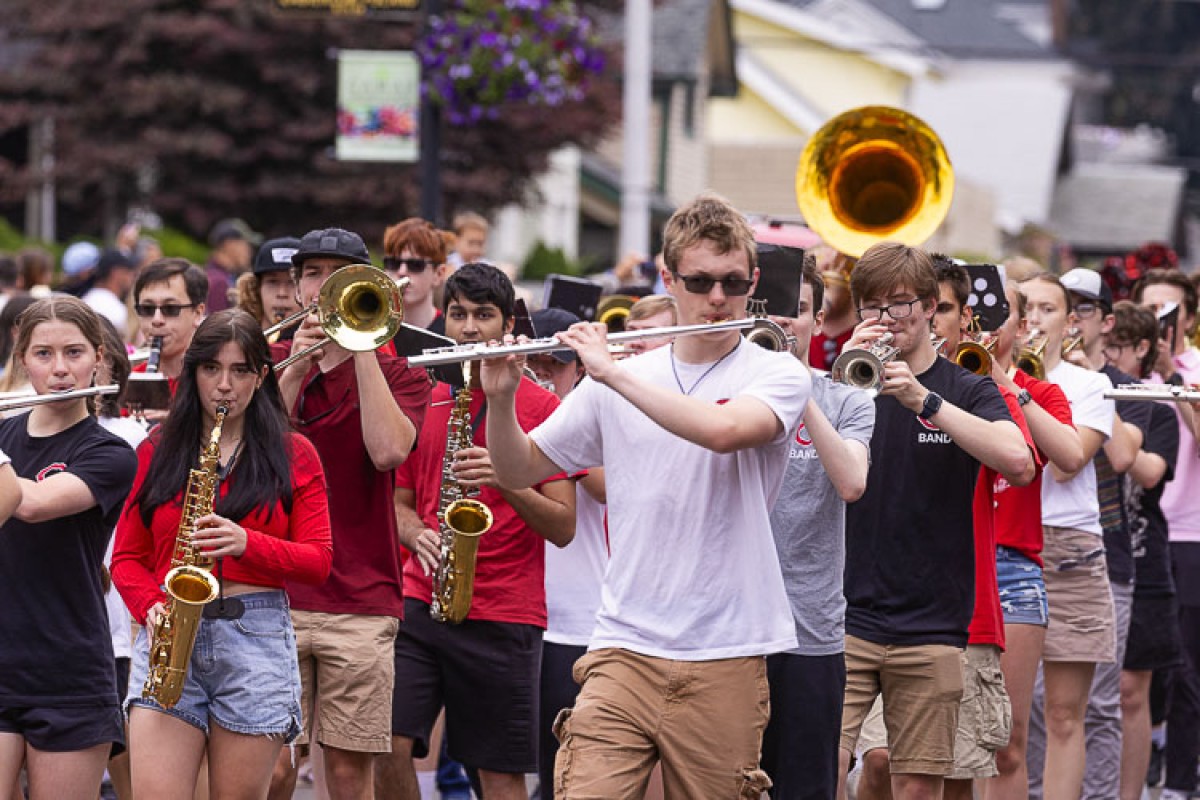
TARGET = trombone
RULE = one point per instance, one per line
(359, 306)
(476, 352)
(25, 400)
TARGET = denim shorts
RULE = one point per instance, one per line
(243, 674)
(1022, 589)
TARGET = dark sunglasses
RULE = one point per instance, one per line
(171, 311)
(414, 266)
(702, 284)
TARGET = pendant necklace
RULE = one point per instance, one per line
(705, 374)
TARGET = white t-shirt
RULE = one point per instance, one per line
(1075, 504)
(107, 304)
(693, 573)
(574, 574)
(119, 620)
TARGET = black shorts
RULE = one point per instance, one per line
(800, 744)
(66, 729)
(122, 690)
(484, 673)
(1154, 640)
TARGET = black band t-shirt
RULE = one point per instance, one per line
(55, 647)
(1147, 523)
(910, 552)
(1114, 520)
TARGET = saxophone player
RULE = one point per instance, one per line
(491, 710)
(59, 705)
(269, 525)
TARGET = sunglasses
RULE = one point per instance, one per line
(702, 284)
(171, 311)
(414, 266)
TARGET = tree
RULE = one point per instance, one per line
(215, 108)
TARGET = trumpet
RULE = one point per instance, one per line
(1073, 340)
(359, 307)
(768, 334)
(975, 356)
(1031, 356)
(1149, 391)
(862, 367)
(25, 400)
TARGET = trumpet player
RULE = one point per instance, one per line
(909, 580)
(484, 671)
(676, 660)
(361, 410)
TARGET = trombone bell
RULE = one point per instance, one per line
(874, 173)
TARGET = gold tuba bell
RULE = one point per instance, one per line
(871, 174)
(613, 311)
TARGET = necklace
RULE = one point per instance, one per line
(714, 365)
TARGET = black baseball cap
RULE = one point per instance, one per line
(111, 260)
(331, 243)
(232, 229)
(275, 255)
(549, 321)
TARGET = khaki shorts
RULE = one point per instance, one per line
(1082, 620)
(349, 659)
(984, 717)
(921, 686)
(703, 720)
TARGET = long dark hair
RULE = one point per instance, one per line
(262, 475)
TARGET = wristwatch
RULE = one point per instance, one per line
(1024, 398)
(932, 405)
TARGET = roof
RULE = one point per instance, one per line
(1004, 29)
(690, 37)
(1118, 207)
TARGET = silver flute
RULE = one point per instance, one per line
(479, 351)
(1153, 391)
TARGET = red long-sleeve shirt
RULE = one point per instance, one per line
(282, 547)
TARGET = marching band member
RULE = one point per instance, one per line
(910, 551)
(827, 468)
(59, 707)
(268, 292)
(361, 410)
(693, 438)
(485, 669)
(241, 700)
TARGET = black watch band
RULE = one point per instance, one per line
(1024, 398)
(931, 406)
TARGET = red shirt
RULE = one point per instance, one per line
(279, 546)
(1019, 508)
(987, 624)
(510, 565)
(823, 351)
(366, 552)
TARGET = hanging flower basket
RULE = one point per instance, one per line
(483, 54)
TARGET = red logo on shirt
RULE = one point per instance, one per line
(802, 436)
(53, 469)
(927, 425)
(723, 401)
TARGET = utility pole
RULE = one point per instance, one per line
(635, 161)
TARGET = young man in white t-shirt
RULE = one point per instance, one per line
(694, 440)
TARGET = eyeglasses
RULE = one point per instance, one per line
(169, 311)
(414, 266)
(897, 310)
(702, 284)
(1085, 310)
(1112, 350)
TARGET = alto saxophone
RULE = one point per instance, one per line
(461, 519)
(190, 583)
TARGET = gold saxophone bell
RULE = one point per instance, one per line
(467, 520)
(613, 311)
(874, 173)
(360, 308)
(862, 367)
(1031, 356)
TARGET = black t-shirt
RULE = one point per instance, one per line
(55, 647)
(1147, 523)
(910, 552)
(1109, 486)
(1185, 566)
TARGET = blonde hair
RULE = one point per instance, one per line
(468, 220)
(707, 218)
(653, 305)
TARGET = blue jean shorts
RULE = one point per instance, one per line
(1022, 589)
(243, 675)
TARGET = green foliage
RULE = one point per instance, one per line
(178, 244)
(543, 261)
